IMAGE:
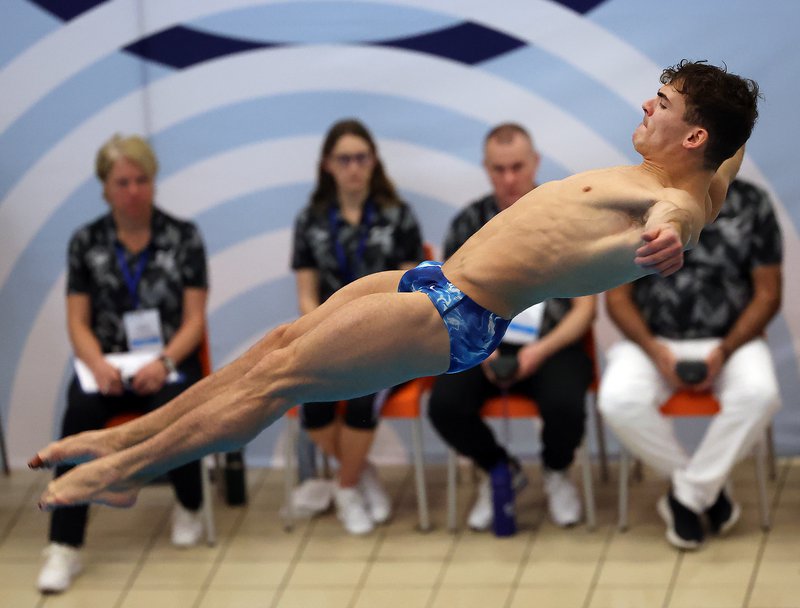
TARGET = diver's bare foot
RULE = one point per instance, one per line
(77, 448)
(95, 482)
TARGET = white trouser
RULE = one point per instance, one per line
(632, 389)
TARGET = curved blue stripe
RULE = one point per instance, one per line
(48, 121)
(241, 318)
(571, 90)
(322, 22)
(21, 26)
(311, 113)
(244, 217)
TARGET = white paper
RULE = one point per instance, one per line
(524, 328)
(127, 363)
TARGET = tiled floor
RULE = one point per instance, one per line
(256, 563)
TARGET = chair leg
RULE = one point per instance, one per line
(624, 464)
(588, 489)
(289, 473)
(3, 453)
(208, 504)
(600, 436)
(771, 458)
(452, 467)
(761, 480)
(419, 476)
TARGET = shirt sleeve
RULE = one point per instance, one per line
(463, 226)
(409, 237)
(767, 239)
(302, 252)
(78, 275)
(194, 270)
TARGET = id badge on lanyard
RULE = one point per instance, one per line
(348, 273)
(142, 326)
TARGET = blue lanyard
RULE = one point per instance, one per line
(132, 280)
(348, 273)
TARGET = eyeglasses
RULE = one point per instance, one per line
(359, 158)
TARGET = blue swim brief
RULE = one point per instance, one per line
(474, 331)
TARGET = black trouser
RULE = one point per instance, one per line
(89, 411)
(359, 413)
(558, 387)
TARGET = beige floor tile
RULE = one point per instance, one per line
(23, 598)
(695, 573)
(173, 574)
(711, 596)
(464, 596)
(339, 545)
(780, 572)
(549, 572)
(567, 596)
(415, 546)
(343, 573)
(775, 596)
(625, 597)
(476, 572)
(294, 597)
(323, 566)
(150, 598)
(238, 598)
(231, 575)
(81, 598)
(20, 574)
(279, 548)
(385, 573)
(107, 575)
(392, 598)
(626, 573)
(485, 546)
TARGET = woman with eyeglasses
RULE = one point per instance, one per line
(354, 225)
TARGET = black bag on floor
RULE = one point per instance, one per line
(235, 486)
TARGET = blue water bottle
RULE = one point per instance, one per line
(504, 521)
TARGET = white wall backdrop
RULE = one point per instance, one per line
(236, 95)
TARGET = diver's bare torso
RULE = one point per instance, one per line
(565, 238)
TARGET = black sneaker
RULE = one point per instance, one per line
(684, 528)
(723, 514)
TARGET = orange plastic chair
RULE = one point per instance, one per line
(406, 402)
(205, 476)
(508, 407)
(683, 404)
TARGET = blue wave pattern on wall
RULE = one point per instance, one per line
(181, 47)
(67, 10)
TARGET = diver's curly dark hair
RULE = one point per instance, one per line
(724, 104)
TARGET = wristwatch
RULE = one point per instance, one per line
(168, 363)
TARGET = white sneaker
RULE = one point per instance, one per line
(379, 506)
(480, 517)
(187, 526)
(351, 510)
(562, 498)
(62, 565)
